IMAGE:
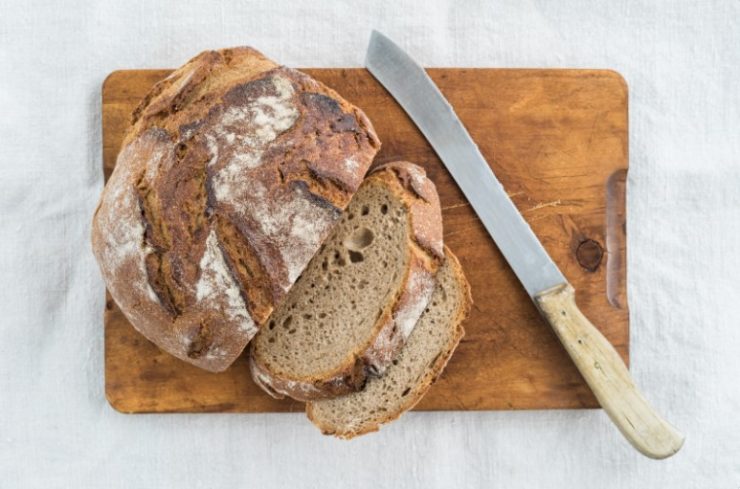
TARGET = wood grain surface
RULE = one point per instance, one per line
(557, 140)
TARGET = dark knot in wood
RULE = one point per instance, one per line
(589, 254)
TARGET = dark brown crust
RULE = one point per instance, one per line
(425, 256)
(232, 144)
(430, 376)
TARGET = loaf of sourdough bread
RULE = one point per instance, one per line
(358, 300)
(420, 363)
(233, 173)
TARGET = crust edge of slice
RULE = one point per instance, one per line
(429, 377)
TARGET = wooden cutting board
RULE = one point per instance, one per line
(557, 140)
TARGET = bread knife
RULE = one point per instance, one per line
(596, 359)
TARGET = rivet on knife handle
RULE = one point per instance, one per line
(597, 360)
(607, 375)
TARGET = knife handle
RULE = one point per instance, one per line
(607, 375)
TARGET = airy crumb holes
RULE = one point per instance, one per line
(359, 239)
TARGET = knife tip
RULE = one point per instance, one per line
(375, 36)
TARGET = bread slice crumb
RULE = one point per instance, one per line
(419, 364)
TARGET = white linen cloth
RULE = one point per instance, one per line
(681, 61)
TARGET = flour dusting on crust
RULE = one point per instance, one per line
(216, 284)
(278, 388)
(415, 299)
(217, 353)
(290, 219)
(419, 292)
(123, 230)
(418, 181)
(351, 164)
(246, 131)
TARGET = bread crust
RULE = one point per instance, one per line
(430, 375)
(232, 174)
(398, 317)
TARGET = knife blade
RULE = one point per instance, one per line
(595, 357)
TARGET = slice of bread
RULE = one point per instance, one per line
(415, 369)
(352, 309)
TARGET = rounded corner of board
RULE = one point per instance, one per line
(116, 404)
(619, 79)
(113, 78)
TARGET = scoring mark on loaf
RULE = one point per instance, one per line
(291, 219)
(124, 236)
(289, 216)
(126, 243)
(216, 284)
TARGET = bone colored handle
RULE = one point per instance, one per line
(607, 375)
